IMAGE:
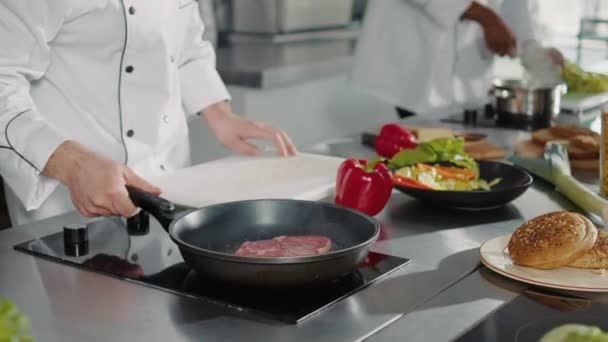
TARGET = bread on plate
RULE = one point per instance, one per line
(597, 257)
(552, 240)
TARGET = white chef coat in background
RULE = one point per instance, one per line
(207, 13)
(419, 55)
(117, 76)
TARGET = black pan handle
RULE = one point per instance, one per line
(163, 210)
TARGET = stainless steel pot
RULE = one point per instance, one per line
(516, 104)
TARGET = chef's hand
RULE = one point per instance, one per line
(96, 183)
(233, 131)
(498, 36)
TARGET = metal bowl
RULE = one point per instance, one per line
(518, 105)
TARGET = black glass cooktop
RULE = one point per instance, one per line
(148, 256)
(528, 317)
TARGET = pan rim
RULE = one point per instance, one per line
(275, 260)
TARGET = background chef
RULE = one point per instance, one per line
(430, 56)
(95, 93)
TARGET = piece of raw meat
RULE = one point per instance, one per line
(303, 245)
(260, 248)
(286, 246)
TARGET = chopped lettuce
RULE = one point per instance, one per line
(435, 181)
(441, 150)
(437, 150)
(446, 148)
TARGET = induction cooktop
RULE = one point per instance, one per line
(140, 251)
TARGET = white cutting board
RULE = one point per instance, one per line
(305, 176)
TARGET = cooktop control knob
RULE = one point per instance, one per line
(75, 239)
(139, 224)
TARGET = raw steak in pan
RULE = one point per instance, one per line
(286, 246)
(260, 248)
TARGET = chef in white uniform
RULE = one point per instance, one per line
(95, 94)
(432, 56)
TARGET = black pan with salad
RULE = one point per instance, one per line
(440, 164)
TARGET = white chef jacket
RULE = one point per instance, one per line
(419, 55)
(120, 77)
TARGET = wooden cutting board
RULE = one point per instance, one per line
(483, 150)
(530, 149)
(305, 176)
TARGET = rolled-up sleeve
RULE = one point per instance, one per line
(201, 84)
(444, 13)
(27, 140)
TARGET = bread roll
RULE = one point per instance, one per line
(597, 257)
(544, 136)
(580, 142)
(585, 164)
(568, 131)
(552, 240)
(586, 142)
(575, 152)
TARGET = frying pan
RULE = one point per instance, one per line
(515, 181)
(208, 237)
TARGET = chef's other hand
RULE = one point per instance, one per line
(96, 183)
(233, 131)
(498, 36)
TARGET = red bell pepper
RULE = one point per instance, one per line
(392, 139)
(363, 186)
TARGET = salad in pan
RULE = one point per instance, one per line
(440, 164)
(437, 177)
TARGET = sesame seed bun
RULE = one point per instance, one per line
(597, 257)
(552, 240)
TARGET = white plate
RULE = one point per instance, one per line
(494, 255)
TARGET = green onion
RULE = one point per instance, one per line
(580, 194)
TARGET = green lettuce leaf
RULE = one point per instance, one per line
(446, 148)
(440, 150)
(437, 150)
(423, 153)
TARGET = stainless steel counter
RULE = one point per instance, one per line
(68, 304)
(266, 65)
(454, 311)
(461, 306)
